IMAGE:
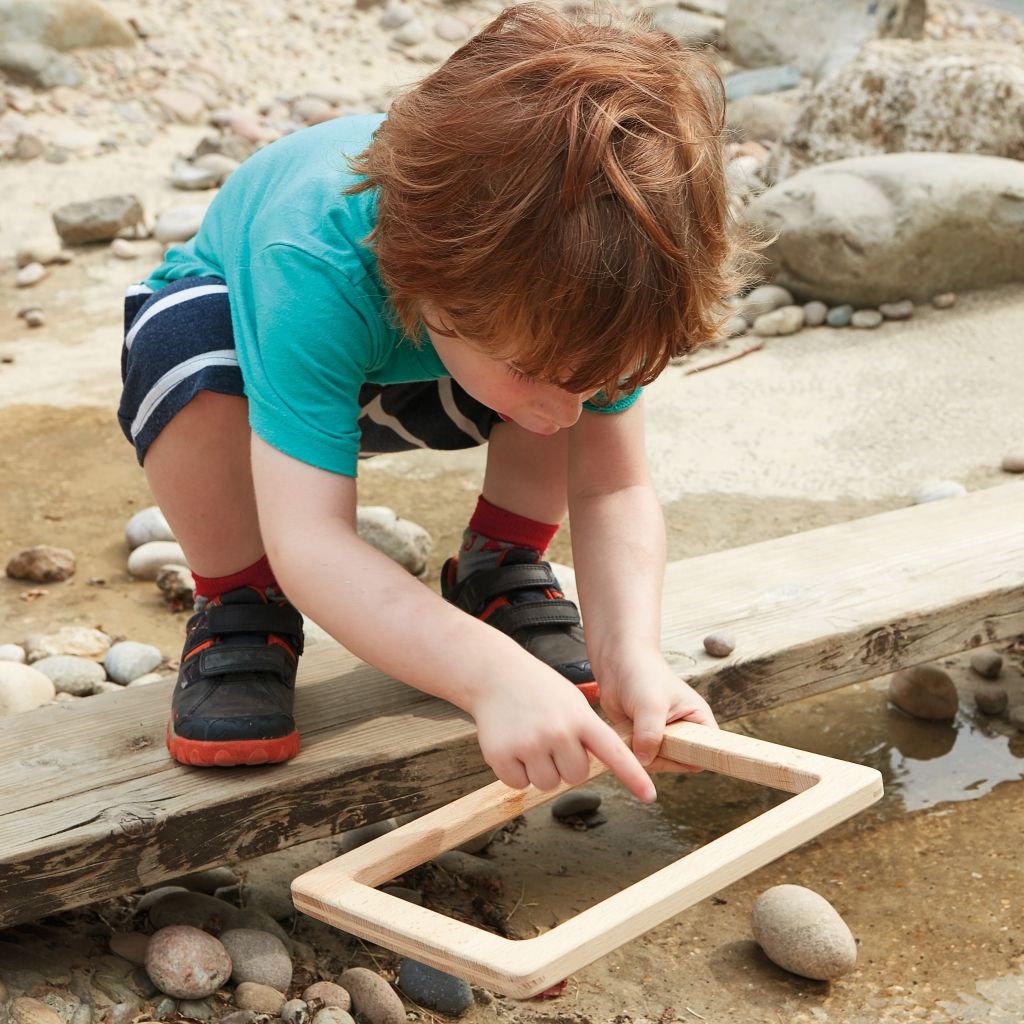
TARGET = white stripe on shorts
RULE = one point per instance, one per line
(375, 412)
(172, 300)
(138, 289)
(173, 377)
(464, 423)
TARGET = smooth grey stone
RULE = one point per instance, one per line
(187, 963)
(945, 300)
(189, 178)
(167, 1006)
(763, 299)
(803, 933)
(897, 310)
(295, 1011)
(22, 688)
(1013, 462)
(199, 1009)
(97, 220)
(402, 540)
(458, 863)
(760, 81)
(991, 699)
(412, 33)
(987, 664)
(239, 1017)
(866, 319)
(434, 989)
(924, 691)
(782, 321)
(147, 524)
(479, 843)
(259, 957)
(576, 801)
(735, 326)
(939, 490)
(146, 561)
(129, 659)
(815, 313)
(12, 652)
(839, 316)
(71, 673)
(37, 65)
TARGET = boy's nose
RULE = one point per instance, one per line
(565, 410)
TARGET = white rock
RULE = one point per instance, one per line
(146, 561)
(129, 659)
(71, 673)
(937, 490)
(761, 300)
(802, 932)
(784, 320)
(394, 15)
(81, 640)
(400, 539)
(146, 525)
(12, 652)
(410, 34)
(179, 223)
(30, 274)
(189, 177)
(23, 688)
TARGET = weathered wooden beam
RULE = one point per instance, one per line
(91, 806)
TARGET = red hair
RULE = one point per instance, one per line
(557, 190)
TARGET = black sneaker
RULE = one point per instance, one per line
(522, 598)
(232, 704)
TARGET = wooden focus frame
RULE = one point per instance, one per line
(342, 892)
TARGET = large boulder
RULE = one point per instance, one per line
(62, 24)
(898, 96)
(897, 226)
(807, 32)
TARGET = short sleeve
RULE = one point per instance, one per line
(622, 402)
(303, 345)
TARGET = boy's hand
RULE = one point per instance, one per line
(649, 695)
(540, 730)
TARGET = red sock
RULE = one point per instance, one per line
(493, 531)
(259, 575)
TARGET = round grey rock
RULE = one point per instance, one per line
(405, 542)
(195, 909)
(186, 962)
(763, 299)
(250, 995)
(987, 664)
(815, 313)
(784, 320)
(991, 699)
(12, 652)
(803, 933)
(71, 673)
(196, 1009)
(295, 1011)
(903, 310)
(866, 319)
(719, 644)
(258, 956)
(434, 989)
(1013, 462)
(839, 316)
(944, 300)
(23, 688)
(146, 525)
(333, 1015)
(576, 801)
(735, 326)
(146, 561)
(924, 691)
(328, 994)
(373, 997)
(129, 659)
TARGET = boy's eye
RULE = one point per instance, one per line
(519, 375)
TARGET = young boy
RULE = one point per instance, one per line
(526, 239)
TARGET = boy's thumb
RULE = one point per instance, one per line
(648, 733)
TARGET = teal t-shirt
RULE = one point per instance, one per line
(308, 309)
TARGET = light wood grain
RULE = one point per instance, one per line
(341, 892)
(91, 806)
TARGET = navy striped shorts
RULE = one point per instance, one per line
(178, 341)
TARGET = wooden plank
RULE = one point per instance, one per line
(343, 891)
(90, 805)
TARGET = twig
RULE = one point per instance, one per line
(694, 1012)
(517, 903)
(727, 359)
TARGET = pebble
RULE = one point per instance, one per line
(176, 583)
(42, 563)
(124, 249)
(329, 994)
(924, 691)
(450, 28)
(129, 659)
(991, 699)
(71, 673)
(218, 163)
(295, 1011)
(258, 956)
(30, 274)
(97, 220)
(24, 1010)
(987, 664)
(866, 319)
(412, 33)
(815, 313)
(803, 933)
(434, 989)
(258, 920)
(719, 644)
(186, 962)
(944, 300)
(735, 326)
(763, 299)
(189, 178)
(22, 688)
(839, 316)
(196, 1009)
(146, 561)
(576, 801)
(394, 15)
(310, 108)
(902, 310)
(165, 1007)
(373, 997)
(89, 643)
(12, 652)
(781, 321)
(938, 490)
(1013, 462)
(179, 223)
(332, 1015)
(130, 945)
(34, 317)
(148, 524)
(180, 907)
(259, 998)
(402, 540)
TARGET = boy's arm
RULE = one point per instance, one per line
(534, 727)
(618, 542)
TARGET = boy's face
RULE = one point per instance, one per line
(534, 405)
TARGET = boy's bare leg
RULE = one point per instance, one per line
(527, 473)
(199, 471)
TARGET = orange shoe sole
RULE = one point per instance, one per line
(590, 690)
(225, 754)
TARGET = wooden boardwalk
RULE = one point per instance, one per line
(91, 806)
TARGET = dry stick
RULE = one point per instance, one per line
(727, 359)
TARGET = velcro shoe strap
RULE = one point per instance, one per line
(226, 661)
(254, 618)
(513, 617)
(486, 584)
